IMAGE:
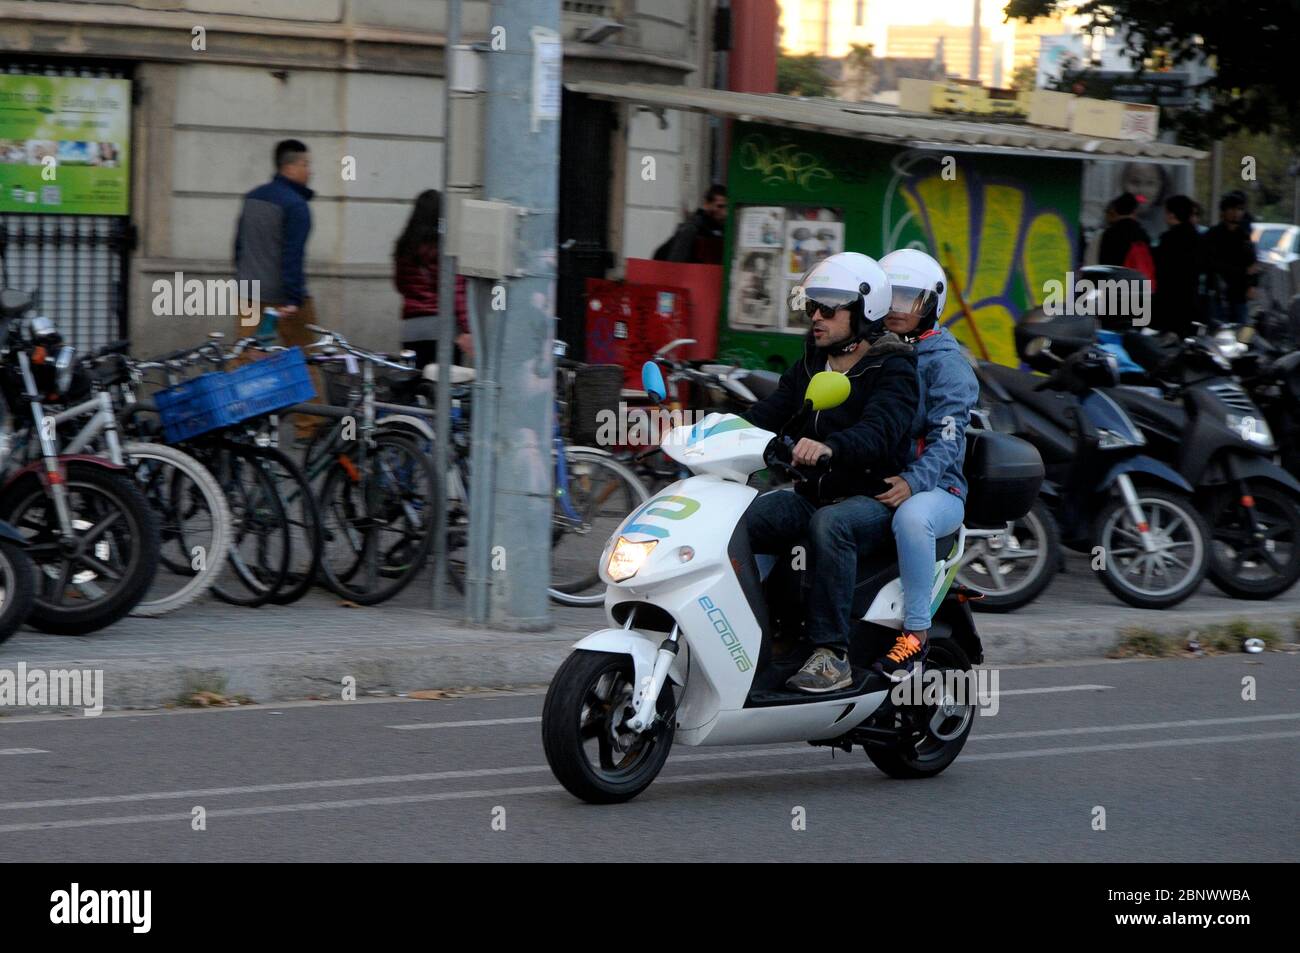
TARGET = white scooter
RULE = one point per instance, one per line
(689, 651)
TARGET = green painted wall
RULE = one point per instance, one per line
(1000, 225)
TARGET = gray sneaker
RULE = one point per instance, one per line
(824, 671)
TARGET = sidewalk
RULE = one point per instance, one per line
(280, 653)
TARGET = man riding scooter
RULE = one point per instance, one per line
(928, 495)
(854, 446)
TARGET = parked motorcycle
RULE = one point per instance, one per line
(1200, 419)
(1106, 496)
(88, 529)
(688, 654)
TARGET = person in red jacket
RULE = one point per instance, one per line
(415, 274)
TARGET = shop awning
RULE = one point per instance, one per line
(883, 123)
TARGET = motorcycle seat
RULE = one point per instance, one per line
(1052, 404)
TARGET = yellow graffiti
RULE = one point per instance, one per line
(782, 164)
(1046, 255)
(981, 266)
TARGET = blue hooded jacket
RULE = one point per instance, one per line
(271, 240)
(948, 391)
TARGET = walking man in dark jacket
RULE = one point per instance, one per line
(857, 444)
(1180, 260)
(699, 239)
(271, 248)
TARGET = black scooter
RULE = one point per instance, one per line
(1133, 514)
(1196, 416)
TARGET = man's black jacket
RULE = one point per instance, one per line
(868, 433)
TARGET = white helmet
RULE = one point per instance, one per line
(845, 280)
(918, 282)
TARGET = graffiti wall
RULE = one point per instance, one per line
(1000, 225)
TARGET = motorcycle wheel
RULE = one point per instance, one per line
(82, 590)
(17, 588)
(1246, 567)
(936, 732)
(589, 698)
(1152, 580)
(1014, 570)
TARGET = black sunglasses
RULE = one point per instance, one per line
(811, 308)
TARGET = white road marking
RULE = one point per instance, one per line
(1149, 726)
(482, 722)
(553, 788)
(466, 724)
(23, 751)
(1054, 688)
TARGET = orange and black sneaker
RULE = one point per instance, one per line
(900, 661)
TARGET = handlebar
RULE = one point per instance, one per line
(334, 339)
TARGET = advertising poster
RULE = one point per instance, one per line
(64, 144)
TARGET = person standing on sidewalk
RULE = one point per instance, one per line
(698, 240)
(1125, 242)
(415, 275)
(1232, 264)
(1180, 262)
(271, 248)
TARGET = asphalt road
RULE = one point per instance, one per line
(1185, 769)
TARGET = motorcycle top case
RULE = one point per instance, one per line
(1003, 474)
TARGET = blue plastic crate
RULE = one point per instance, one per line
(219, 399)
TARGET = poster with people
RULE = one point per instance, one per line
(774, 247)
(64, 144)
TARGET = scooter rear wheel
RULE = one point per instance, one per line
(589, 699)
(941, 729)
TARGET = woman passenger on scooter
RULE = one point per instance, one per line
(928, 496)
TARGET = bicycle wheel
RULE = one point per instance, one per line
(257, 561)
(598, 493)
(304, 518)
(194, 525)
(377, 510)
(98, 576)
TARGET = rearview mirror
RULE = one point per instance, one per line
(652, 381)
(827, 389)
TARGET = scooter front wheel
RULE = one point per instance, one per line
(1255, 552)
(584, 732)
(1168, 573)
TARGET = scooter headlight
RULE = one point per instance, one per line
(1251, 429)
(628, 558)
(1113, 440)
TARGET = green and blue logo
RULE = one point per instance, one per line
(676, 508)
(725, 632)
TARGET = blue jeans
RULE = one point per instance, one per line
(835, 534)
(921, 520)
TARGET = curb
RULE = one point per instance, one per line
(530, 660)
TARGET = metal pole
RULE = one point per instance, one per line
(975, 44)
(521, 166)
(446, 323)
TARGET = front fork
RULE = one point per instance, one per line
(647, 693)
(1134, 507)
(54, 475)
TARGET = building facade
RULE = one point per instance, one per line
(215, 83)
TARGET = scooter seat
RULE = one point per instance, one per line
(1023, 387)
